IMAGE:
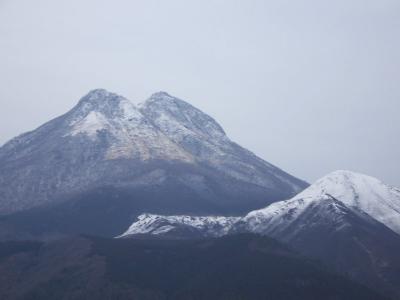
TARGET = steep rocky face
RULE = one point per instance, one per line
(111, 160)
(201, 136)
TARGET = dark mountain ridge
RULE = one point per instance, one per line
(234, 267)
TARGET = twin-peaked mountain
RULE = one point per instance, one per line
(102, 163)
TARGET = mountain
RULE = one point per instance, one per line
(366, 193)
(342, 190)
(232, 267)
(345, 238)
(95, 168)
(346, 219)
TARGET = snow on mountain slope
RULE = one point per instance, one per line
(287, 219)
(178, 118)
(133, 135)
(360, 191)
(283, 218)
(336, 192)
(201, 136)
(202, 226)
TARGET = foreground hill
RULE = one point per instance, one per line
(233, 267)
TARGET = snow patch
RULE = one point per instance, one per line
(90, 125)
(157, 224)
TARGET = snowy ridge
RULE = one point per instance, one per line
(157, 224)
(333, 201)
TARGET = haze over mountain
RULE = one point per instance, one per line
(157, 199)
(107, 159)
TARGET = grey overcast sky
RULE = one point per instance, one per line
(311, 86)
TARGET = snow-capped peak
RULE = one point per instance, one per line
(178, 118)
(99, 95)
(360, 191)
(343, 184)
(109, 104)
(102, 114)
(161, 95)
(100, 100)
(340, 191)
(103, 110)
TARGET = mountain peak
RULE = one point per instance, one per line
(102, 101)
(101, 110)
(160, 95)
(99, 95)
(347, 175)
(106, 103)
(178, 118)
(167, 101)
(342, 183)
(360, 191)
